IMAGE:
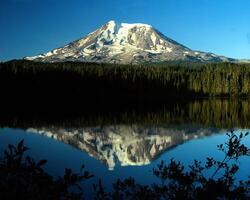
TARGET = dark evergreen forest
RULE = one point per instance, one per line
(151, 81)
(212, 93)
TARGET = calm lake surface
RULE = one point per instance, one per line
(131, 143)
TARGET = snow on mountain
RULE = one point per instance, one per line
(125, 43)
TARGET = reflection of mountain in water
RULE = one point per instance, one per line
(128, 145)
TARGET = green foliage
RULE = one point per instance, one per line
(23, 178)
(153, 81)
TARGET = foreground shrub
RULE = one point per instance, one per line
(23, 178)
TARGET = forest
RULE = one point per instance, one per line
(151, 81)
(173, 89)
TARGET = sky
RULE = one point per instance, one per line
(31, 27)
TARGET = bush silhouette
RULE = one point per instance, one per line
(23, 178)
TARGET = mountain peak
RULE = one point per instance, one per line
(135, 25)
(116, 27)
(125, 43)
(114, 23)
(111, 23)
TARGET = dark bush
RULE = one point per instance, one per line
(23, 178)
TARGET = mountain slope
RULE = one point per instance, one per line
(126, 43)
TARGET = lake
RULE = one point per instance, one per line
(118, 144)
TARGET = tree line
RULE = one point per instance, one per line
(91, 83)
(152, 80)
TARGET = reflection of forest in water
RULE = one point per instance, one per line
(220, 113)
(134, 135)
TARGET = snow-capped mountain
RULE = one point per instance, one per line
(126, 43)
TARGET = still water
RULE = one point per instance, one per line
(134, 145)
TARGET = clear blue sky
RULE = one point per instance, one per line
(30, 27)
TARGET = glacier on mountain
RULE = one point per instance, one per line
(125, 44)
